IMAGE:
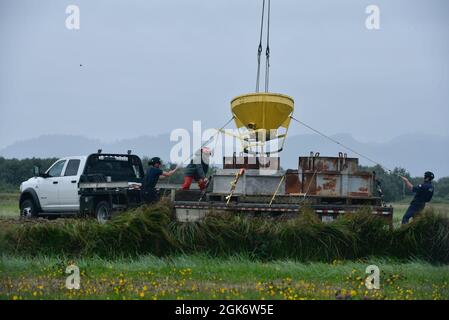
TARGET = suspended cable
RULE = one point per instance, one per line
(267, 51)
(344, 146)
(259, 50)
(209, 140)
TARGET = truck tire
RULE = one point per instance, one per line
(103, 212)
(28, 209)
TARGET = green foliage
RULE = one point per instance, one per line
(222, 233)
(308, 239)
(394, 189)
(14, 171)
(204, 277)
(442, 188)
(392, 186)
(138, 231)
(372, 232)
(426, 237)
(152, 230)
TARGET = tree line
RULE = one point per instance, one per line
(14, 171)
(394, 189)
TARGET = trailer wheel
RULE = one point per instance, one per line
(28, 209)
(103, 212)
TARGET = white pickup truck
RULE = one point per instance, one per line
(94, 185)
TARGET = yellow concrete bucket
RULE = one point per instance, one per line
(268, 111)
(263, 120)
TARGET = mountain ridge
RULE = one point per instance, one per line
(414, 152)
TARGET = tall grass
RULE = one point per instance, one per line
(143, 230)
(152, 230)
(425, 238)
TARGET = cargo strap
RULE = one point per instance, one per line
(203, 193)
(239, 173)
(277, 189)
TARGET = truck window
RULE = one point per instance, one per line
(72, 167)
(56, 169)
(113, 167)
(136, 171)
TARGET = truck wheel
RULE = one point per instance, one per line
(28, 209)
(103, 212)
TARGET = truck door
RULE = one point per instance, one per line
(49, 187)
(68, 187)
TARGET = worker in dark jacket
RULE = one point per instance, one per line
(423, 193)
(197, 170)
(151, 178)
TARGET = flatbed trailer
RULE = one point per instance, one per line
(194, 209)
(330, 186)
(119, 196)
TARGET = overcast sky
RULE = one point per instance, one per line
(151, 66)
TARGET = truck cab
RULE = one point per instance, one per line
(71, 182)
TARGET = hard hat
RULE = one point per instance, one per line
(154, 160)
(429, 175)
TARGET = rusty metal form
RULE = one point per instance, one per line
(293, 184)
(331, 186)
(329, 177)
(253, 183)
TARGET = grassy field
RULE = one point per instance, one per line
(9, 205)
(200, 277)
(401, 207)
(204, 277)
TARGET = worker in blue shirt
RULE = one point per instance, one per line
(423, 193)
(150, 194)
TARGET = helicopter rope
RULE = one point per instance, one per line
(259, 50)
(209, 140)
(267, 51)
(344, 146)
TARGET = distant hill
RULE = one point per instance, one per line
(415, 152)
(71, 145)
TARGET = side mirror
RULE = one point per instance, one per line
(36, 171)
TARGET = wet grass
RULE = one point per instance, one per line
(401, 207)
(9, 205)
(152, 230)
(144, 254)
(205, 277)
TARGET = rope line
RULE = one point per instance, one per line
(209, 140)
(344, 146)
(259, 50)
(267, 51)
